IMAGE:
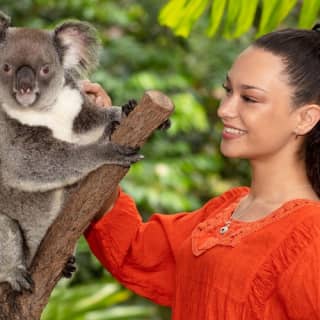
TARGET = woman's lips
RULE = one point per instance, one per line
(232, 133)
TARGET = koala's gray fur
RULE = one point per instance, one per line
(51, 136)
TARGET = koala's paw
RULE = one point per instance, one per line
(122, 155)
(113, 127)
(19, 278)
(129, 106)
(69, 267)
(165, 125)
(128, 155)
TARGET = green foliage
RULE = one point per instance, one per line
(236, 16)
(273, 12)
(94, 301)
(309, 13)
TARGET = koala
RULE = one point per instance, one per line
(51, 134)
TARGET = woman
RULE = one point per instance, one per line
(251, 253)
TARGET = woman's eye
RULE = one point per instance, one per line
(248, 99)
(226, 88)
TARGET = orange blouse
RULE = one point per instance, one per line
(266, 269)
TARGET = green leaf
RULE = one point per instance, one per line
(193, 10)
(245, 18)
(217, 11)
(309, 13)
(122, 313)
(268, 8)
(180, 15)
(233, 10)
(90, 301)
(171, 13)
(273, 13)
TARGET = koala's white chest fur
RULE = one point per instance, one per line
(58, 118)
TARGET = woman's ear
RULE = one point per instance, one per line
(308, 116)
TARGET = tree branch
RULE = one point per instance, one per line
(83, 202)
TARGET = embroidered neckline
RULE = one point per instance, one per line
(207, 233)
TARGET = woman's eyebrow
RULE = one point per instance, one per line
(246, 86)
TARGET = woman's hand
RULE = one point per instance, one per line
(96, 92)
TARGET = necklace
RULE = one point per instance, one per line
(227, 224)
(225, 228)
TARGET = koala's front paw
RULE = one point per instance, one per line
(69, 267)
(119, 154)
(128, 154)
(129, 106)
(113, 126)
(19, 278)
(165, 125)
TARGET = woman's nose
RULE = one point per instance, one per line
(228, 108)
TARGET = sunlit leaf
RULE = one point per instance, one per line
(180, 15)
(273, 13)
(121, 313)
(309, 13)
(217, 11)
(238, 15)
(233, 10)
(192, 11)
(246, 17)
(171, 13)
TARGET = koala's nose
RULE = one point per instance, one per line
(25, 79)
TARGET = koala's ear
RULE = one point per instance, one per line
(4, 25)
(78, 47)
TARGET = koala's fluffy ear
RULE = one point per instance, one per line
(78, 47)
(4, 25)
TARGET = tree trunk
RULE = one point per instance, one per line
(84, 202)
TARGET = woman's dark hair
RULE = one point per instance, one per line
(300, 52)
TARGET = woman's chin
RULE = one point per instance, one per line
(232, 153)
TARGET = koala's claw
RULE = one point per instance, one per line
(20, 279)
(69, 267)
(130, 155)
(165, 125)
(128, 151)
(113, 126)
(129, 106)
(121, 155)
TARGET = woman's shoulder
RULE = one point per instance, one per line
(302, 230)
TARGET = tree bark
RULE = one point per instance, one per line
(84, 201)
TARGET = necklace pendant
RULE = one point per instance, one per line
(224, 229)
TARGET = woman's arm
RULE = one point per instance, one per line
(142, 255)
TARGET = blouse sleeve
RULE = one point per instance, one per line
(299, 286)
(141, 255)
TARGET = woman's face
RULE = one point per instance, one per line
(256, 111)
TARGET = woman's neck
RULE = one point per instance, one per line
(277, 182)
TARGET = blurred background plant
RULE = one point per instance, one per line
(182, 167)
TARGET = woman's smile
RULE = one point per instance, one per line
(232, 133)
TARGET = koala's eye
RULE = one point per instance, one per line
(6, 68)
(44, 71)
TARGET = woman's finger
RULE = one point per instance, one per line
(94, 90)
